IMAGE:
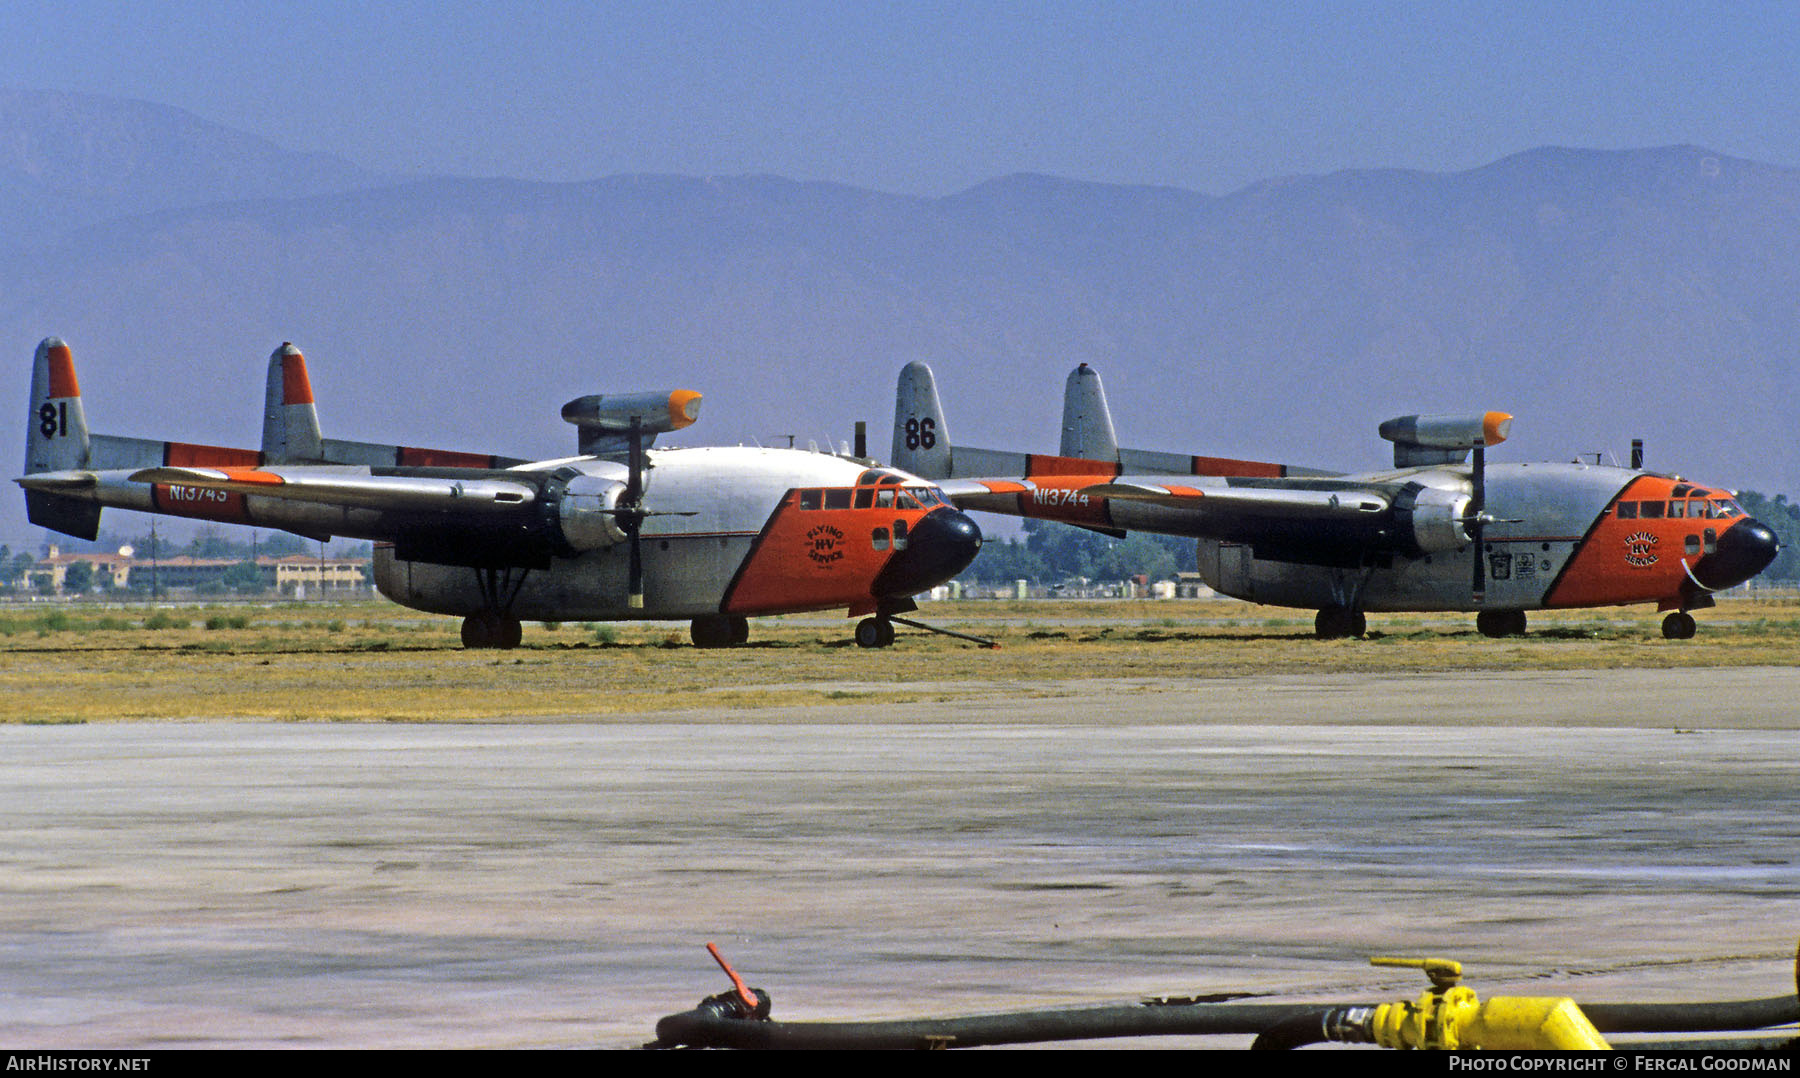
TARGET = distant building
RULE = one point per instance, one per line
(297, 574)
(1192, 586)
(113, 568)
(297, 571)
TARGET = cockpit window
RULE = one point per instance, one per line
(811, 499)
(838, 498)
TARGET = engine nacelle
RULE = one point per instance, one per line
(1437, 520)
(580, 512)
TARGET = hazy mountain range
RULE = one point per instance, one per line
(1596, 295)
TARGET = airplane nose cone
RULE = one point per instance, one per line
(1745, 549)
(939, 546)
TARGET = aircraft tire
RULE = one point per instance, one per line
(874, 633)
(1499, 623)
(740, 629)
(717, 631)
(1337, 622)
(491, 631)
(1679, 625)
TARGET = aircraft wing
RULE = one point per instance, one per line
(1062, 497)
(351, 487)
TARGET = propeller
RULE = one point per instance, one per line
(1477, 519)
(631, 515)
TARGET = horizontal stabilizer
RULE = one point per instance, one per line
(64, 482)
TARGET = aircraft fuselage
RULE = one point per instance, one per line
(1561, 535)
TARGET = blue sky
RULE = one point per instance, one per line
(929, 98)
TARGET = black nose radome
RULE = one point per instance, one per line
(1745, 549)
(938, 547)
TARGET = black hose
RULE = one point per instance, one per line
(1275, 1025)
(1692, 1017)
(1316, 1026)
(703, 1028)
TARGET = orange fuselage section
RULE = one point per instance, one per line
(1643, 546)
(824, 548)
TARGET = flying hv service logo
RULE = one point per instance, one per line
(1640, 550)
(824, 540)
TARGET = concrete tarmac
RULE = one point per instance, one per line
(1612, 836)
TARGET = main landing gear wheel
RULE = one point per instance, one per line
(491, 631)
(874, 633)
(1679, 625)
(719, 631)
(1499, 623)
(1337, 622)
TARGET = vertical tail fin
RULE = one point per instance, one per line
(56, 440)
(921, 440)
(290, 419)
(1087, 427)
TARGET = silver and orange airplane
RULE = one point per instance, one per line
(618, 531)
(1438, 532)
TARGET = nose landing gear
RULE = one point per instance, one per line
(875, 632)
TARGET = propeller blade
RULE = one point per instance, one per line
(1477, 508)
(632, 521)
(635, 581)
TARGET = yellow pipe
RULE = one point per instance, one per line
(1450, 1017)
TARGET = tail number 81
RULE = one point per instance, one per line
(53, 419)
